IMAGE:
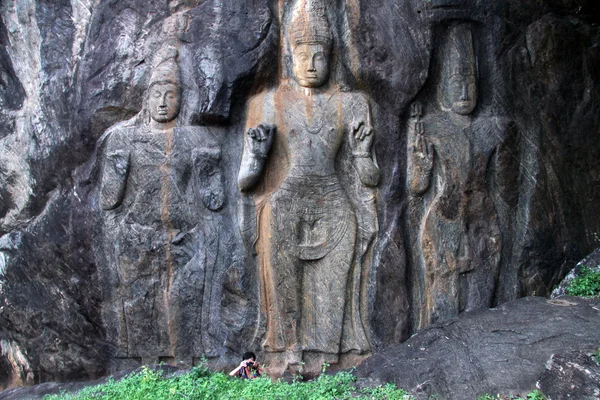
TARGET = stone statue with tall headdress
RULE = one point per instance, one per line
(457, 169)
(160, 189)
(309, 171)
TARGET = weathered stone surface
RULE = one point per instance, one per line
(71, 71)
(574, 375)
(308, 167)
(502, 350)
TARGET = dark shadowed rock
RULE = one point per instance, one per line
(502, 350)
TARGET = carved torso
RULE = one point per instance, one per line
(311, 132)
(307, 222)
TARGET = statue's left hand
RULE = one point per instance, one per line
(361, 139)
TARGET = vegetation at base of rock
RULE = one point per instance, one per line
(201, 383)
(535, 395)
(586, 284)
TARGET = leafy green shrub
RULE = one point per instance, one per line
(201, 383)
(586, 284)
(535, 395)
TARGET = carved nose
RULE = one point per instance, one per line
(311, 66)
(464, 95)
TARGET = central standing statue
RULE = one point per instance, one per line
(307, 161)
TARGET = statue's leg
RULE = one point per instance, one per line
(486, 242)
(324, 294)
(279, 275)
(440, 242)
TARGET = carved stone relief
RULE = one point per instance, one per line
(266, 115)
(460, 171)
(161, 191)
(307, 164)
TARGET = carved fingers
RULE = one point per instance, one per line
(361, 139)
(260, 139)
(206, 165)
(416, 110)
(422, 149)
(120, 159)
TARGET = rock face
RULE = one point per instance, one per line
(311, 180)
(504, 350)
(575, 375)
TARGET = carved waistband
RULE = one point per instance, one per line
(312, 184)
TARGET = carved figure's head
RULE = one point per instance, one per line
(310, 39)
(164, 94)
(164, 101)
(459, 81)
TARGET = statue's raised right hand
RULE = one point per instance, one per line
(260, 139)
(422, 150)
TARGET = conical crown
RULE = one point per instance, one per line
(309, 24)
(459, 55)
(165, 66)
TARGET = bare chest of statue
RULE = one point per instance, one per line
(311, 131)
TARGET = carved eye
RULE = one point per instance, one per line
(171, 96)
(156, 94)
(302, 56)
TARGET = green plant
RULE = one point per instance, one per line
(535, 395)
(586, 284)
(389, 391)
(597, 355)
(201, 383)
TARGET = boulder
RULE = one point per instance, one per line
(573, 375)
(497, 351)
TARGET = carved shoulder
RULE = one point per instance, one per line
(357, 104)
(498, 124)
(117, 137)
(261, 109)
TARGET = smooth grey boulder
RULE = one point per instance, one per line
(498, 351)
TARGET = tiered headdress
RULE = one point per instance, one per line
(165, 66)
(309, 24)
(459, 56)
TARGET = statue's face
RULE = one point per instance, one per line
(311, 65)
(164, 102)
(461, 94)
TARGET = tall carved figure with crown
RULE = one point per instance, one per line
(308, 166)
(460, 170)
(160, 188)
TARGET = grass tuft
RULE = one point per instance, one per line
(201, 383)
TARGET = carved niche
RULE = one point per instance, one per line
(460, 171)
(160, 193)
(308, 169)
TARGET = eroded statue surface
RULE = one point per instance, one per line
(307, 162)
(160, 191)
(459, 173)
